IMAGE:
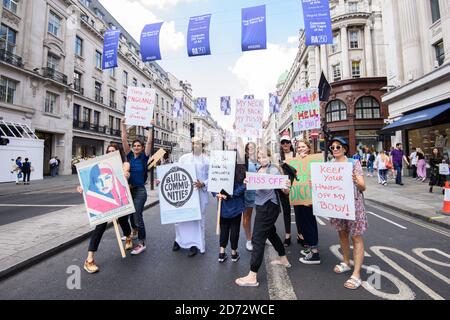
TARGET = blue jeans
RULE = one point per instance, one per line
(370, 167)
(139, 195)
(398, 168)
(383, 174)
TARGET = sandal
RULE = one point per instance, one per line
(243, 283)
(342, 268)
(353, 283)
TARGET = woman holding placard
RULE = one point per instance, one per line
(267, 212)
(436, 179)
(347, 228)
(305, 218)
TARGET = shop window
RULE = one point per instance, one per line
(336, 110)
(368, 108)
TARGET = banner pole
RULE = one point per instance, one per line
(219, 209)
(119, 240)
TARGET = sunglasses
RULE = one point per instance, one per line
(332, 148)
(285, 142)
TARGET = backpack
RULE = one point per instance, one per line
(372, 157)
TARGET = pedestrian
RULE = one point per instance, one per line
(421, 165)
(58, 162)
(397, 158)
(252, 165)
(26, 170)
(436, 179)
(370, 158)
(347, 228)
(138, 158)
(17, 169)
(53, 164)
(89, 264)
(382, 162)
(413, 160)
(191, 234)
(230, 215)
(287, 153)
(305, 218)
(267, 212)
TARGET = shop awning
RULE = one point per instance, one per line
(435, 115)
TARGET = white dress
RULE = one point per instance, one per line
(192, 233)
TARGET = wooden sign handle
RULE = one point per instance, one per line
(219, 209)
(119, 240)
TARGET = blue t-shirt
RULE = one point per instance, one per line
(137, 168)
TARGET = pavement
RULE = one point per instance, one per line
(29, 241)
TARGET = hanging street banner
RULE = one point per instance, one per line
(254, 36)
(225, 105)
(106, 192)
(150, 42)
(249, 96)
(259, 181)
(306, 110)
(274, 103)
(317, 21)
(198, 36)
(249, 118)
(202, 104)
(333, 190)
(178, 198)
(140, 106)
(177, 108)
(301, 194)
(222, 165)
(110, 48)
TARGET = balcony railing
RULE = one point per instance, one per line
(157, 141)
(10, 58)
(113, 104)
(98, 98)
(79, 90)
(54, 75)
(84, 125)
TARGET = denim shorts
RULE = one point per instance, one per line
(250, 199)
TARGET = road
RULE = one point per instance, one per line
(412, 257)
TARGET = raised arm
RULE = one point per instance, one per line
(148, 146)
(126, 146)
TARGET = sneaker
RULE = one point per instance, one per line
(305, 252)
(90, 267)
(249, 245)
(192, 251)
(128, 243)
(138, 249)
(134, 234)
(176, 246)
(222, 257)
(311, 258)
(235, 257)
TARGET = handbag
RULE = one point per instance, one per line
(388, 164)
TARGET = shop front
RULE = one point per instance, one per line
(84, 148)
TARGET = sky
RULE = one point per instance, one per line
(227, 71)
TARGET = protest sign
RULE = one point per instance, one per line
(306, 110)
(333, 191)
(258, 181)
(139, 107)
(105, 189)
(156, 157)
(249, 117)
(178, 198)
(301, 190)
(443, 169)
(221, 171)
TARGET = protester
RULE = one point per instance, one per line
(397, 157)
(382, 163)
(347, 228)
(267, 212)
(26, 170)
(413, 160)
(436, 179)
(370, 159)
(287, 153)
(138, 159)
(89, 264)
(421, 165)
(305, 218)
(231, 214)
(17, 169)
(191, 235)
(252, 166)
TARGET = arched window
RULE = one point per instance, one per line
(336, 110)
(367, 108)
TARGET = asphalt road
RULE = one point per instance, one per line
(393, 246)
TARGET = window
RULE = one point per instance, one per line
(98, 92)
(367, 108)
(11, 5)
(336, 46)
(354, 39)
(135, 82)
(96, 118)
(337, 72)
(336, 110)
(78, 46)
(8, 89)
(352, 7)
(356, 69)
(86, 3)
(157, 100)
(54, 24)
(98, 59)
(76, 114)
(125, 78)
(8, 39)
(435, 10)
(118, 123)
(112, 98)
(124, 102)
(53, 61)
(440, 54)
(111, 122)
(50, 102)
(112, 72)
(167, 106)
(77, 81)
(87, 115)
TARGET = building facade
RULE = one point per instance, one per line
(211, 133)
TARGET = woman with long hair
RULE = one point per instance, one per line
(286, 152)
(421, 165)
(436, 179)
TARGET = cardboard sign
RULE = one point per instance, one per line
(156, 157)
(106, 192)
(301, 193)
(306, 110)
(443, 169)
(258, 181)
(178, 198)
(222, 165)
(139, 107)
(333, 191)
(249, 117)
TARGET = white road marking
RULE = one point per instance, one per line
(320, 221)
(420, 251)
(278, 281)
(390, 221)
(40, 205)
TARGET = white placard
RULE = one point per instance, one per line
(249, 117)
(333, 191)
(443, 169)
(139, 107)
(222, 165)
(261, 181)
(179, 200)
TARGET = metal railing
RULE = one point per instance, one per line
(8, 57)
(98, 98)
(54, 75)
(113, 104)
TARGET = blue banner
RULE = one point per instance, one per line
(317, 17)
(177, 109)
(254, 36)
(249, 96)
(201, 105)
(150, 42)
(198, 36)
(225, 105)
(274, 103)
(110, 48)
